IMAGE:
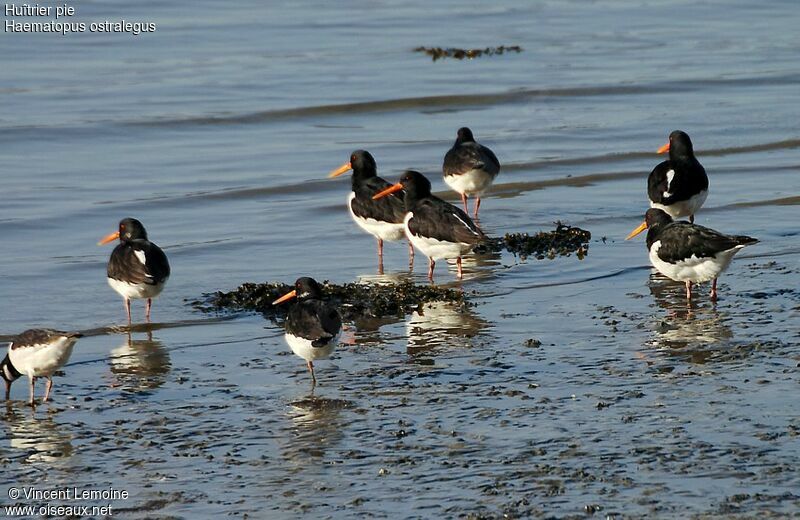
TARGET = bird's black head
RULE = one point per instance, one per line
(363, 164)
(656, 217)
(8, 372)
(416, 185)
(131, 229)
(652, 220)
(680, 145)
(307, 288)
(464, 136)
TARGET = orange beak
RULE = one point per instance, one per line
(346, 167)
(285, 297)
(638, 230)
(388, 191)
(664, 148)
(109, 238)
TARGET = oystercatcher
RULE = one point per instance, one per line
(312, 326)
(37, 353)
(137, 268)
(679, 186)
(381, 218)
(688, 252)
(435, 227)
(469, 168)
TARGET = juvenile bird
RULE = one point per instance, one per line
(37, 353)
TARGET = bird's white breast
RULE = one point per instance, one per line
(137, 290)
(683, 208)
(472, 182)
(383, 230)
(302, 347)
(42, 359)
(434, 248)
(693, 269)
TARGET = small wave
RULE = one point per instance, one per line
(391, 105)
(446, 101)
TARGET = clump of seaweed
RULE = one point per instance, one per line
(354, 300)
(563, 241)
(371, 300)
(437, 53)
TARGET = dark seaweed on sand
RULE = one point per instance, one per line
(354, 300)
(359, 300)
(563, 241)
(437, 53)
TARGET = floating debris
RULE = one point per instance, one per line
(354, 300)
(563, 241)
(437, 53)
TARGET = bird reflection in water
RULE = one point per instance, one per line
(140, 364)
(692, 331)
(440, 324)
(38, 436)
(316, 425)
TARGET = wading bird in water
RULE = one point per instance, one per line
(382, 218)
(435, 227)
(37, 353)
(312, 326)
(469, 168)
(688, 252)
(137, 268)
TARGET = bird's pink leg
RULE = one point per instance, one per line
(714, 290)
(464, 200)
(477, 205)
(431, 265)
(47, 389)
(410, 255)
(460, 272)
(311, 369)
(128, 308)
(688, 289)
(8, 390)
(147, 309)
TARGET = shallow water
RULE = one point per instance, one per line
(218, 131)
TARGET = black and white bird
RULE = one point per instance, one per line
(313, 326)
(678, 186)
(688, 252)
(137, 268)
(37, 353)
(469, 168)
(435, 227)
(381, 218)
